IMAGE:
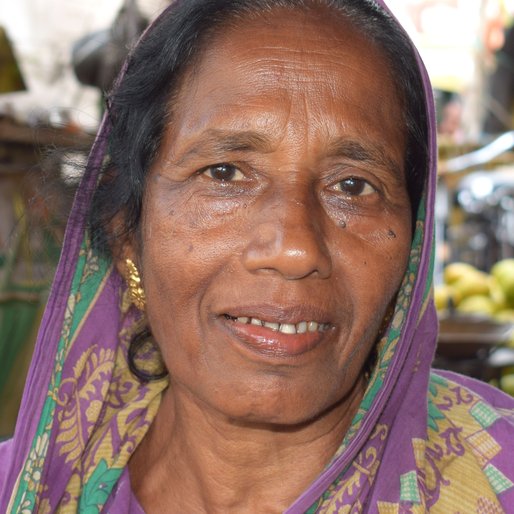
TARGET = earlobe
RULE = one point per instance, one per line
(122, 245)
(124, 251)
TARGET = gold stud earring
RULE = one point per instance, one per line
(136, 292)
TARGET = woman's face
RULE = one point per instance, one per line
(278, 198)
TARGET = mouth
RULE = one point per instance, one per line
(277, 338)
(285, 328)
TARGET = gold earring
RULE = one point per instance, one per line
(136, 292)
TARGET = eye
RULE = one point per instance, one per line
(354, 186)
(223, 172)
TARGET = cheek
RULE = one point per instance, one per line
(373, 271)
(388, 248)
(185, 246)
(375, 258)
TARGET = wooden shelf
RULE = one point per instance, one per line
(11, 132)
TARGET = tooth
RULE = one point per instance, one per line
(273, 326)
(313, 326)
(288, 328)
(301, 328)
(257, 322)
(243, 319)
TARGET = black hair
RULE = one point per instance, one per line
(139, 109)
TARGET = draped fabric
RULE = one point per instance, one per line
(422, 440)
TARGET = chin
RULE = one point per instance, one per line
(283, 408)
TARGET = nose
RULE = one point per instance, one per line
(288, 238)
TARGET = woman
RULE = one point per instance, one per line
(252, 328)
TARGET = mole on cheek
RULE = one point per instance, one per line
(191, 248)
(391, 234)
(342, 224)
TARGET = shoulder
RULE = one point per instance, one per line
(468, 402)
(481, 391)
(470, 441)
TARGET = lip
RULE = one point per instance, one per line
(271, 343)
(278, 313)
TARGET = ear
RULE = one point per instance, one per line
(123, 246)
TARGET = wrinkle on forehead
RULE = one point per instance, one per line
(295, 51)
(310, 72)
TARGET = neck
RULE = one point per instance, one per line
(194, 459)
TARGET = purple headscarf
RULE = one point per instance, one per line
(421, 440)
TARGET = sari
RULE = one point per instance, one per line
(421, 440)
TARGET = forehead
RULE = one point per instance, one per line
(297, 26)
(281, 41)
(319, 35)
(278, 63)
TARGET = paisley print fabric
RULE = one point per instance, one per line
(421, 441)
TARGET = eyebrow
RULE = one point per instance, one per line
(356, 151)
(218, 142)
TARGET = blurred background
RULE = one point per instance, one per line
(59, 57)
